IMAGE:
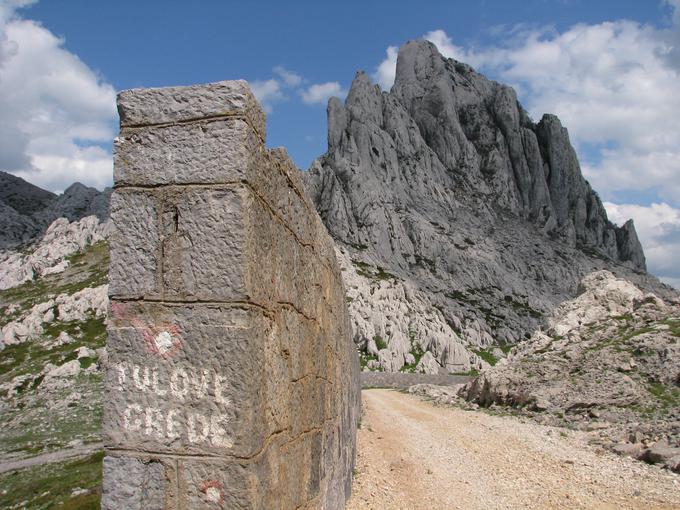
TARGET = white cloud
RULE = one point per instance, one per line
(320, 93)
(55, 110)
(658, 227)
(615, 86)
(612, 85)
(290, 78)
(267, 93)
(386, 70)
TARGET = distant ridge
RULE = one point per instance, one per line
(27, 210)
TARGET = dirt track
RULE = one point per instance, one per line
(50, 457)
(413, 455)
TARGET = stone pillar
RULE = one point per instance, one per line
(232, 380)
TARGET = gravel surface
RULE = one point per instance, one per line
(413, 455)
(50, 457)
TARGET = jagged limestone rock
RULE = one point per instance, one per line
(49, 254)
(609, 360)
(447, 184)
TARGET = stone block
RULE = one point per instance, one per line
(134, 244)
(186, 379)
(204, 236)
(167, 105)
(135, 484)
(229, 351)
(213, 484)
(212, 152)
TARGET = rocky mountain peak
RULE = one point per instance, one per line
(22, 196)
(26, 211)
(478, 138)
(446, 183)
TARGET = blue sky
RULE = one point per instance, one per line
(609, 69)
(161, 43)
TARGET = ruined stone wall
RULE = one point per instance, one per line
(232, 381)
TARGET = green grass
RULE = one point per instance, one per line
(487, 356)
(473, 372)
(51, 485)
(379, 342)
(669, 397)
(417, 353)
(674, 326)
(364, 358)
(31, 357)
(505, 348)
(35, 426)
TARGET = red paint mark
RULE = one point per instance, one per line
(163, 340)
(214, 491)
(118, 310)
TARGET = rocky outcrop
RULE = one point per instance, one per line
(447, 184)
(90, 302)
(50, 254)
(383, 306)
(608, 362)
(27, 211)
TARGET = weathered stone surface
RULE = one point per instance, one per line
(133, 484)
(444, 186)
(229, 351)
(134, 244)
(211, 152)
(144, 107)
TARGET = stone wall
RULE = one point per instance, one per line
(232, 381)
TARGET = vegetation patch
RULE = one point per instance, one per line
(417, 353)
(88, 268)
(380, 342)
(30, 357)
(359, 246)
(367, 271)
(505, 347)
(487, 356)
(669, 397)
(473, 372)
(522, 308)
(364, 358)
(57, 485)
(425, 262)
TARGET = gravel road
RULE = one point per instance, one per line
(413, 455)
(50, 457)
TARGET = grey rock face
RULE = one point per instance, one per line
(229, 347)
(609, 360)
(22, 196)
(446, 182)
(26, 211)
(75, 203)
(15, 228)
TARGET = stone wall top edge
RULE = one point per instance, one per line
(165, 105)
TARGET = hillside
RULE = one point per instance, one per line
(446, 199)
(53, 310)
